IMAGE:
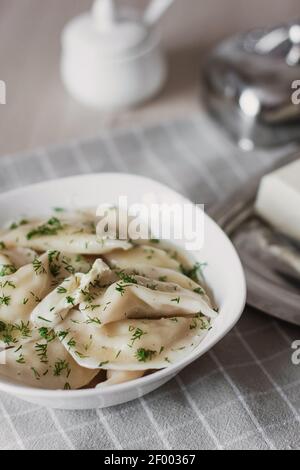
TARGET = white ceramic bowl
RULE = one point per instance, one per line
(224, 274)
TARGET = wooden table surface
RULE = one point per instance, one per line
(39, 111)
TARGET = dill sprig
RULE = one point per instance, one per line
(7, 270)
(195, 272)
(38, 266)
(52, 227)
(48, 334)
(5, 300)
(61, 366)
(137, 335)
(144, 355)
(42, 352)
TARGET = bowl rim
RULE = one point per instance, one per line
(238, 305)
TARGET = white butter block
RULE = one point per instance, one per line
(278, 200)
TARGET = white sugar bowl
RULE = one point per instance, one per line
(112, 59)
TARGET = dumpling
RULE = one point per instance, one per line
(73, 290)
(62, 234)
(131, 296)
(144, 254)
(116, 377)
(137, 297)
(44, 364)
(168, 275)
(130, 344)
(22, 290)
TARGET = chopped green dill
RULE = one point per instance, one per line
(92, 307)
(5, 284)
(70, 300)
(94, 320)
(126, 278)
(2, 246)
(67, 386)
(118, 354)
(161, 350)
(44, 319)
(72, 343)
(177, 300)
(7, 333)
(199, 290)
(88, 297)
(58, 209)
(194, 324)
(53, 257)
(138, 334)
(36, 373)
(61, 290)
(80, 355)
(38, 266)
(195, 272)
(23, 329)
(54, 269)
(122, 288)
(61, 366)
(7, 270)
(155, 241)
(68, 267)
(47, 334)
(52, 227)
(63, 334)
(144, 355)
(5, 300)
(16, 225)
(168, 360)
(163, 279)
(42, 352)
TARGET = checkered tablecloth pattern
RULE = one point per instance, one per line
(245, 394)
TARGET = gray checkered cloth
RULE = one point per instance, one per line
(242, 395)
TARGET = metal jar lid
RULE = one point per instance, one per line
(248, 86)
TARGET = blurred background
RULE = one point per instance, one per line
(39, 111)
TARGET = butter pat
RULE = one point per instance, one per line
(278, 200)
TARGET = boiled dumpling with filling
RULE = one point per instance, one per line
(130, 344)
(134, 296)
(71, 292)
(23, 289)
(44, 364)
(168, 275)
(144, 254)
(62, 234)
